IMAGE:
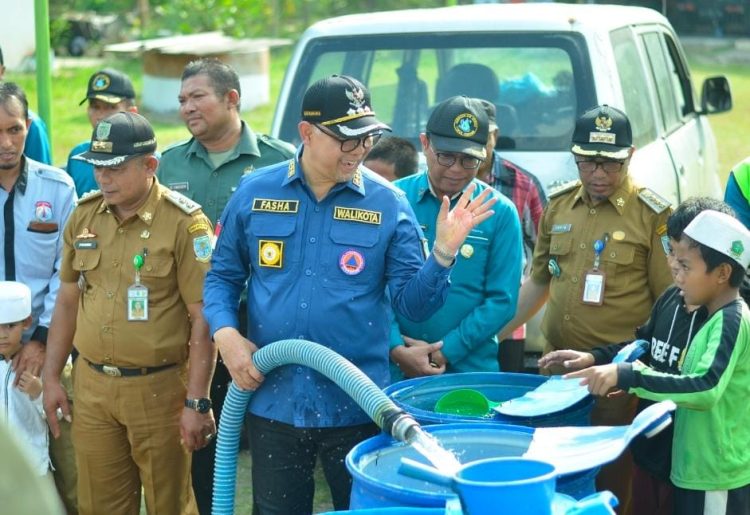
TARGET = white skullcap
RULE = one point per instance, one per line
(723, 233)
(15, 302)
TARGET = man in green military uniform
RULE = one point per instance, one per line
(131, 299)
(207, 168)
(599, 262)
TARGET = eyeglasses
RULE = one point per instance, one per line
(587, 166)
(349, 144)
(448, 159)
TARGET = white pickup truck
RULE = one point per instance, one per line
(542, 65)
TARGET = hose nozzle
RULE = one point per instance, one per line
(399, 424)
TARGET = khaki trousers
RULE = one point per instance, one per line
(62, 453)
(126, 432)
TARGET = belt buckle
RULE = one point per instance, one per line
(111, 371)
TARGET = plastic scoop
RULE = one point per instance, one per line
(465, 401)
(557, 393)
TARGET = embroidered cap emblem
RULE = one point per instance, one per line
(100, 82)
(603, 123)
(737, 248)
(465, 125)
(102, 130)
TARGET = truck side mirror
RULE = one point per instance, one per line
(716, 95)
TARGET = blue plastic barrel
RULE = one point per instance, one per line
(374, 465)
(418, 397)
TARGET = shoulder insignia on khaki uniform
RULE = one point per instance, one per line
(657, 203)
(184, 203)
(564, 188)
(91, 195)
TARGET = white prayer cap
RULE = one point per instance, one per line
(15, 302)
(723, 233)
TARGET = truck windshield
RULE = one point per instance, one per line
(539, 82)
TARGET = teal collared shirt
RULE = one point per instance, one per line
(484, 282)
(187, 168)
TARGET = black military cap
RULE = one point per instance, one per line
(118, 138)
(109, 86)
(342, 104)
(459, 124)
(603, 131)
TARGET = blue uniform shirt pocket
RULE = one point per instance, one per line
(353, 259)
(274, 246)
(471, 262)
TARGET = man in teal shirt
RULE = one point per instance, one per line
(460, 337)
(207, 168)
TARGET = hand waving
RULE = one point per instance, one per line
(453, 225)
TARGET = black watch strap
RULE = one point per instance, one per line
(202, 405)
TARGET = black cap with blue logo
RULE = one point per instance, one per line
(109, 86)
(459, 124)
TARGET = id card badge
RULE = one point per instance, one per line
(137, 303)
(593, 287)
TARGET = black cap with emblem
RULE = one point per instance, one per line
(341, 104)
(603, 131)
(118, 138)
(459, 124)
(109, 86)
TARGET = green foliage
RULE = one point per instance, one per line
(239, 18)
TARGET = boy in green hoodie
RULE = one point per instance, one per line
(711, 446)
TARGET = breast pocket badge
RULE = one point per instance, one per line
(270, 253)
(351, 262)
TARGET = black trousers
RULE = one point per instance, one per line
(284, 459)
(510, 355)
(715, 502)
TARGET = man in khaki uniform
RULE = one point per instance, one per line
(599, 262)
(131, 301)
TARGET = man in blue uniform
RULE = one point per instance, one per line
(317, 239)
(484, 282)
(207, 168)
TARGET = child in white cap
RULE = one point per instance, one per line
(21, 407)
(711, 446)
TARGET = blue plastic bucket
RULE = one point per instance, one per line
(494, 485)
(374, 465)
(502, 485)
(418, 397)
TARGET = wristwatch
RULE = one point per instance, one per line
(199, 405)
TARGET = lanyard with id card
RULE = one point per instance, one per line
(593, 284)
(138, 294)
